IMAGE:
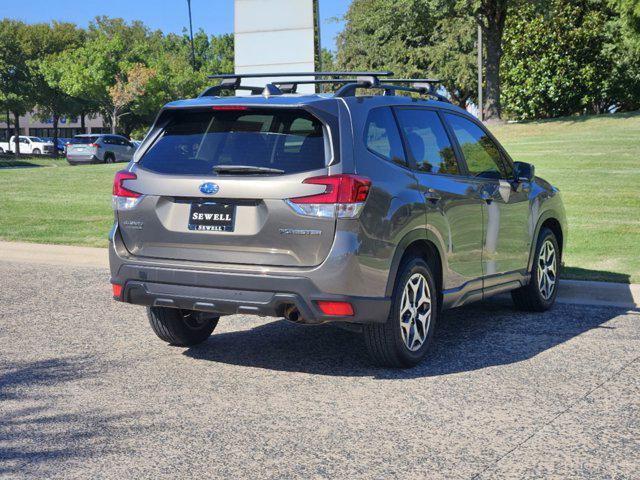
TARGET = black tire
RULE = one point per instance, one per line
(36, 151)
(384, 341)
(109, 158)
(530, 297)
(181, 328)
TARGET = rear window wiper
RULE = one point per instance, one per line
(245, 169)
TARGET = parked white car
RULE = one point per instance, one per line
(28, 145)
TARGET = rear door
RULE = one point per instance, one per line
(215, 184)
(506, 210)
(453, 204)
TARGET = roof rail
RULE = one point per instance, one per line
(302, 74)
(232, 81)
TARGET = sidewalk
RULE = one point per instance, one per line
(53, 254)
(576, 292)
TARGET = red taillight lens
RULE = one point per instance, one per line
(118, 189)
(340, 189)
(117, 290)
(338, 309)
(94, 145)
(229, 107)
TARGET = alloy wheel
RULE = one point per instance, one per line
(415, 311)
(547, 267)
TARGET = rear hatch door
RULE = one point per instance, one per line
(215, 184)
(82, 147)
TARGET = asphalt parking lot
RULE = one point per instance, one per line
(86, 390)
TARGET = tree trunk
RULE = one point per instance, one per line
(16, 124)
(83, 126)
(492, 63)
(8, 127)
(495, 15)
(56, 117)
(114, 121)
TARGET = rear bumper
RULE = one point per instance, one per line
(231, 301)
(229, 293)
(80, 159)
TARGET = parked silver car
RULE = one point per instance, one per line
(105, 148)
(375, 211)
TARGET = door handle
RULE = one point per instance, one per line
(433, 196)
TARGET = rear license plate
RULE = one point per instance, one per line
(213, 217)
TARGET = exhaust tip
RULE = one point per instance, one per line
(292, 314)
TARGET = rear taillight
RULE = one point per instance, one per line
(344, 197)
(123, 198)
(94, 145)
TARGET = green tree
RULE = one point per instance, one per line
(383, 35)
(112, 48)
(44, 41)
(453, 57)
(630, 11)
(16, 88)
(574, 57)
(414, 38)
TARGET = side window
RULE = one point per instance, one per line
(303, 133)
(480, 152)
(382, 136)
(428, 141)
(107, 140)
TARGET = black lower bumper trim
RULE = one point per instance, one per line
(254, 302)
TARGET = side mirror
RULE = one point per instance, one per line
(523, 172)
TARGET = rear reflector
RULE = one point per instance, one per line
(338, 309)
(117, 290)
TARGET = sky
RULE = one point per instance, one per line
(213, 16)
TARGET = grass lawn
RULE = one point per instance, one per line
(54, 202)
(595, 161)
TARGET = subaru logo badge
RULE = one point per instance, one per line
(209, 188)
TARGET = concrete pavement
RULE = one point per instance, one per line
(87, 390)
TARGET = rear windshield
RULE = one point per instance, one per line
(84, 140)
(194, 143)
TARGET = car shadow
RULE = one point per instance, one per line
(577, 273)
(37, 431)
(486, 334)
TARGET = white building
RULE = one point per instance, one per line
(31, 124)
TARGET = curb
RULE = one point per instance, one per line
(46, 254)
(605, 294)
(575, 292)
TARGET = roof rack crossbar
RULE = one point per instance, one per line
(390, 86)
(217, 89)
(301, 74)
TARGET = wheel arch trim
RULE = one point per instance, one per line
(416, 236)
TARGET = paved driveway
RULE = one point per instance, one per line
(86, 390)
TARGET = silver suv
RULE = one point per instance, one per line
(105, 148)
(375, 211)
